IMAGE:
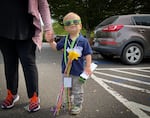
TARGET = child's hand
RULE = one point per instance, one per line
(88, 70)
(49, 36)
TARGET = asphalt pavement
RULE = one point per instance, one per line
(48, 62)
(114, 90)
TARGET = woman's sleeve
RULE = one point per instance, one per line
(44, 10)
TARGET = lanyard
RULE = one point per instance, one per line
(65, 47)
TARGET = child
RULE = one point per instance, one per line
(72, 24)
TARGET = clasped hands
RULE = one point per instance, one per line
(49, 36)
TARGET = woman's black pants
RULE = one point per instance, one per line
(24, 51)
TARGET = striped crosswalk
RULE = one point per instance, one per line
(122, 77)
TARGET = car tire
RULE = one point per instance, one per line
(132, 54)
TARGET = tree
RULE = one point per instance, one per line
(92, 12)
(85, 8)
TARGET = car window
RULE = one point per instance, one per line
(126, 20)
(142, 20)
(108, 21)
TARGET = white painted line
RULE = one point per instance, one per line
(143, 107)
(131, 73)
(123, 78)
(129, 104)
(142, 70)
(123, 68)
(128, 86)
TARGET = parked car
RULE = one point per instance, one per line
(58, 37)
(126, 36)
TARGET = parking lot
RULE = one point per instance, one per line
(114, 90)
(130, 86)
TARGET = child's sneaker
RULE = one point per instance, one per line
(76, 110)
(34, 104)
(10, 100)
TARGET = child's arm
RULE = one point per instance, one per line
(88, 64)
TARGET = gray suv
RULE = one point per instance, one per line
(126, 36)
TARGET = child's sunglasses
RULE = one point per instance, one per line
(72, 22)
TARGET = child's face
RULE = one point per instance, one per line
(72, 24)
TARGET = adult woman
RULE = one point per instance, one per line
(20, 33)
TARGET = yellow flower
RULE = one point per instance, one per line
(73, 55)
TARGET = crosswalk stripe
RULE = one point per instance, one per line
(123, 78)
(143, 70)
(128, 86)
(131, 73)
(123, 68)
(134, 107)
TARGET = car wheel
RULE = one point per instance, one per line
(132, 54)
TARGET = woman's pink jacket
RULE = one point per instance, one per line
(40, 9)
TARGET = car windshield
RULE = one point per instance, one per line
(107, 21)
